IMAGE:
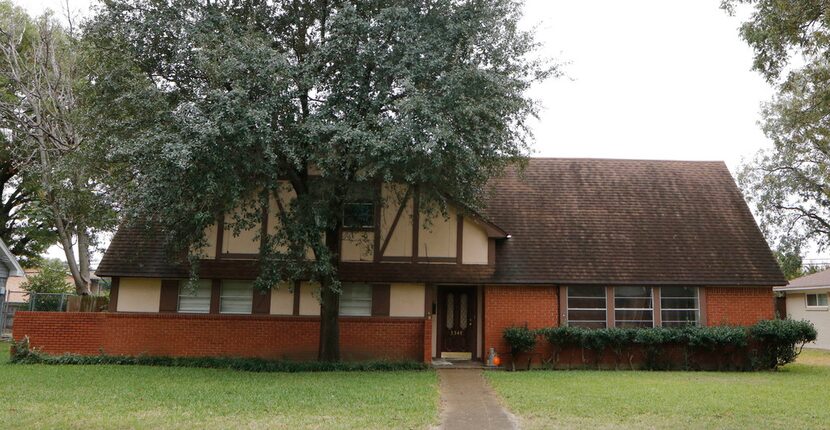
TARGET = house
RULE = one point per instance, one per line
(9, 269)
(806, 299)
(587, 242)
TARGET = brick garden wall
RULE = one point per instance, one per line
(220, 335)
(738, 306)
(506, 306)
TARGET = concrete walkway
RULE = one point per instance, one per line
(469, 403)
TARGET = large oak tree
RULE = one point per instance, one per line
(208, 104)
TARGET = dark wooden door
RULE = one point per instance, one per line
(457, 318)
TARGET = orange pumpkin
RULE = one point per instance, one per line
(497, 361)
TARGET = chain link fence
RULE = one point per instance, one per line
(24, 301)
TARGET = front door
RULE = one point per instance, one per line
(457, 321)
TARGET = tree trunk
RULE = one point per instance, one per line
(330, 309)
(83, 261)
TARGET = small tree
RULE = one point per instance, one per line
(51, 279)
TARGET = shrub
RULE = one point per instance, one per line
(780, 341)
(520, 339)
(241, 364)
(561, 338)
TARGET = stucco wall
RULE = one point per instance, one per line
(797, 310)
(474, 244)
(406, 300)
(400, 243)
(282, 301)
(309, 305)
(139, 295)
(357, 246)
(437, 235)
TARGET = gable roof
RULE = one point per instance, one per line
(574, 221)
(627, 221)
(10, 261)
(818, 280)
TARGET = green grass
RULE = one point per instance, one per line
(794, 397)
(105, 396)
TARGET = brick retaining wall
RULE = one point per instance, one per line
(220, 335)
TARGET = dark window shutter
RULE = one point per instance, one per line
(380, 300)
(262, 302)
(169, 295)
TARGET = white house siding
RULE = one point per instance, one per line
(797, 310)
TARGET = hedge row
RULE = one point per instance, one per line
(23, 354)
(765, 345)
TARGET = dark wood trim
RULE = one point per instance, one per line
(297, 292)
(380, 300)
(701, 297)
(215, 294)
(397, 259)
(220, 235)
(113, 305)
(609, 307)
(416, 222)
(563, 305)
(459, 239)
(657, 316)
(261, 304)
(491, 252)
(169, 297)
(240, 256)
(395, 221)
(378, 213)
(264, 227)
(483, 355)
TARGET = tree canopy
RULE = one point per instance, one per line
(789, 183)
(208, 105)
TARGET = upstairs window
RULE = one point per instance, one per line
(586, 306)
(359, 215)
(633, 307)
(194, 301)
(237, 297)
(817, 301)
(356, 300)
(679, 306)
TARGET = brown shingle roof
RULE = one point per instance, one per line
(628, 221)
(585, 221)
(814, 280)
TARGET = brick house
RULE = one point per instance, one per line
(589, 242)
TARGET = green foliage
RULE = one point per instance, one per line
(521, 339)
(790, 262)
(50, 279)
(22, 354)
(788, 183)
(768, 344)
(780, 341)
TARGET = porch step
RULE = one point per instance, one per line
(440, 363)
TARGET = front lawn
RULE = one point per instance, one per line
(794, 397)
(41, 396)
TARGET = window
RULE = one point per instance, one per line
(356, 300)
(817, 300)
(236, 297)
(633, 307)
(679, 306)
(194, 300)
(359, 215)
(586, 306)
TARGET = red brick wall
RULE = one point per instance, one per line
(506, 306)
(219, 335)
(738, 306)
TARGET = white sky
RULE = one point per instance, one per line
(650, 79)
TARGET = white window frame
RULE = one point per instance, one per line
(817, 306)
(651, 308)
(696, 309)
(368, 312)
(183, 292)
(568, 307)
(223, 296)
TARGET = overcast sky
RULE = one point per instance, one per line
(650, 79)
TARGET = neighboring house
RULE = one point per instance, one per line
(15, 286)
(587, 242)
(9, 270)
(807, 299)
